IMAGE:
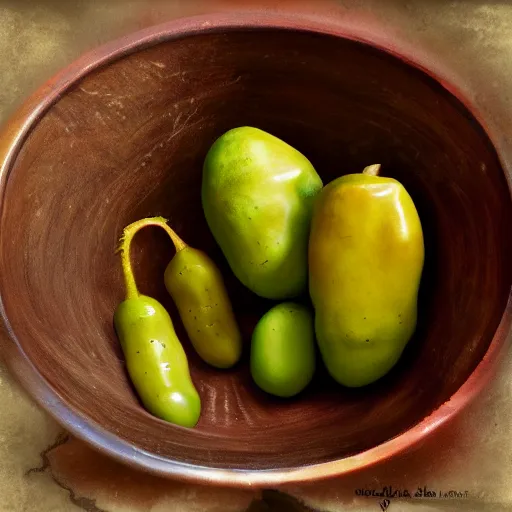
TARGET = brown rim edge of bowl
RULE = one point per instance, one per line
(27, 116)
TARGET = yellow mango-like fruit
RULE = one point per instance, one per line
(366, 256)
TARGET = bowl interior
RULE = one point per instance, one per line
(128, 141)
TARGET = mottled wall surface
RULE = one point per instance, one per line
(41, 469)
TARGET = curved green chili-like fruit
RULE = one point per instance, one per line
(197, 288)
(155, 359)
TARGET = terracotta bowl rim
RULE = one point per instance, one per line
(27, 117)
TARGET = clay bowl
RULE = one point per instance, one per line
(122, 134)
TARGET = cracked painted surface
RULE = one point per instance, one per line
(41, 469)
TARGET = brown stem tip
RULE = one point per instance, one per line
(372, 170)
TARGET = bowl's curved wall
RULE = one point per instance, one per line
(128, 141)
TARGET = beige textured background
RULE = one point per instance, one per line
(41, 470)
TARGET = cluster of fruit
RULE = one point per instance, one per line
(357, 242)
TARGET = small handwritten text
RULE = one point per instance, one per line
(420, 493)
(385, 492)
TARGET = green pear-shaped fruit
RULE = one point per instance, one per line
(258, 195)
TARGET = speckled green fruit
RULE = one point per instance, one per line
(366, 258)
(197, 288)
(283, 350)
(258, 194)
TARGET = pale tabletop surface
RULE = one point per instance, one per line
(43, 470)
